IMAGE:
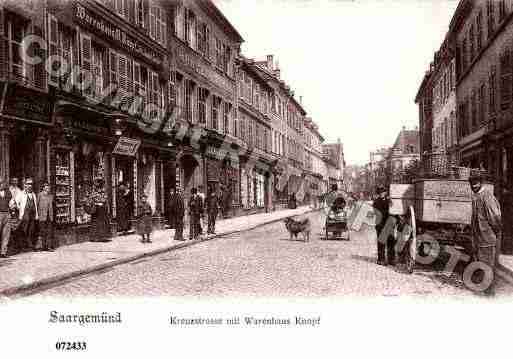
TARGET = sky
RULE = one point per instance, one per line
(358, 64)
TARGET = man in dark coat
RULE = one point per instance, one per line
(382, 206)
(195, 213)
(124, 208)
(212, 210)
(486, 224)
(176, 213)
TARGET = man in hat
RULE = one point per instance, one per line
(14, 188)
(212, 209)
(486, 227)
(27, 206)
(385, 240)
(195, 213)
(6, 204)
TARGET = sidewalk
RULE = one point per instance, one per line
(28, 271)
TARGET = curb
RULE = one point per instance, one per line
(30, 287)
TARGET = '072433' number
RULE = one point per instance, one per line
(71, 345)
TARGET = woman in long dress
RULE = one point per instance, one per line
(100, 229)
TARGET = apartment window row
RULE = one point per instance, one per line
(105, 66)
(146, 14)
(467, 53)
(200, 37)
(199, 105)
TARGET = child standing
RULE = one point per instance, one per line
(145, 223)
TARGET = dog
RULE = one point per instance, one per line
(295, 227)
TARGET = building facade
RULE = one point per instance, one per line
(483, 32)
(204, 46)
(404, 152)
(95, 123)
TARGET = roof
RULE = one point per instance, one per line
(408, 138)
(221, 19)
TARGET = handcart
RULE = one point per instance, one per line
(336, 222)
(432, 210)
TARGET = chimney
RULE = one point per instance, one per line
(301, 100)
(404, 128)
(277, 71)
(270, 64)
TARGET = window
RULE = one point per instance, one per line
(69, 52)
(227, 54)
(140, 13)
(180, 23)
(227, 108)
(16, 28)
(188, 102)
(505, 79)
(464, 55)
(479, 29)
(216, 104)
(121, 7)
(157, 20)
(492, 83)
(263, 106)
(219, 53)
(140, 80)
(272, 100)
(502, 10)
(202, 105)
(471, 42)
(249, 88)
(256, 96)
(97, 70)
(491, 20)
(202, 38)
(474, 111)
(482, 104)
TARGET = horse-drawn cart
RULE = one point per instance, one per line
(435, 209)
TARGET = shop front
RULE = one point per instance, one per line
(25, 127)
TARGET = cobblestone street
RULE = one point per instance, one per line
(264, 262)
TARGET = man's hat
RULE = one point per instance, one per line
(380, 189)
(29, 180)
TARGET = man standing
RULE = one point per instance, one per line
(201, 194)
(212, 210)
(176, 213)
(385, 240)
(6, 203)
(195, 213)
(27, 206)
(45, 213)
(486, 228)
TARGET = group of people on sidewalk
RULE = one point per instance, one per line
(26, 217)
(199, 207)
(486, 229)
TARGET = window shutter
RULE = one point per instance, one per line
(39, 69)
(152, 21)
(3, 47)
(85, 60)
(130, 10)
(53, 44)
(113, 68)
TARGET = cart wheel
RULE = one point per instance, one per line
(412, 247)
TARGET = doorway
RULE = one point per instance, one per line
(125, 176)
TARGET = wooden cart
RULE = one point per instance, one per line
(440, 208)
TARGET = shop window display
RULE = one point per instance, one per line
(63, 188)
(89, 169)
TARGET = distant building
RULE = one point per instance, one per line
(405, 151)
(334, 158)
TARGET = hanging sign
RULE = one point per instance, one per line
(127, 146)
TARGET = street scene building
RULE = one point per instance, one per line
(464, 100)
(145, 97)
(135, 132)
